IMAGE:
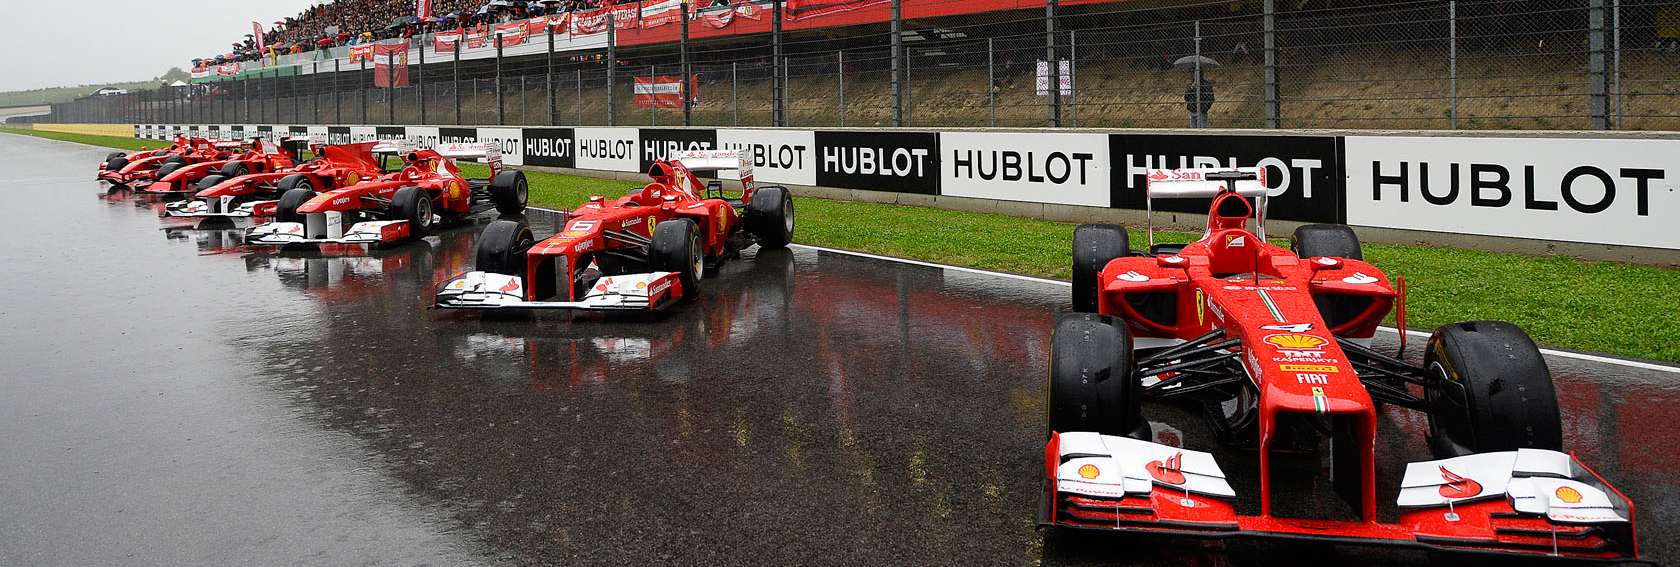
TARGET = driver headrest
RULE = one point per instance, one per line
(1231, 210)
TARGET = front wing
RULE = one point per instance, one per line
(1524, 502)
(628, 292)
(293, 234)
(219, 208)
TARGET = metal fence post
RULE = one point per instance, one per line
(420, 80)
(457, 79)
(1073, 78)
(778, 112)
(840, 71)
(297, 109)
(1196, 81)
(245, 93)
(686, 81)
(391, 89)
(734, 95)
(991, 80)
(548, 79)
(898, 62)
(1597, 80)
(1053, 68)
(580, 96)
(362, 90)
(314, 99)
(1616, 51)
(338, 108)
(501, 106)
(1452, 61)
(612, 65)
(1274, 102)
(653, 119)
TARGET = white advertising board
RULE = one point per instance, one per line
(778, 156)
(1592, 191)
(1069, 169)
(510, 139)
(607, 149)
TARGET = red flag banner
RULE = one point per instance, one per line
(796, 10)
(445, 42)
(591, 21)
(422, 9)
(200, 72)
(660, 12)
(475, 40)
(361, 53)
(560, 23)
(227, 69)
(625, 16)
(535, 26)
(721, 16)
(663, 92)
(512, 34)
(256, 31)
(390, 64)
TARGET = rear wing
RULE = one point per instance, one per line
(1207, 183)
(491, 153)
(721, 160)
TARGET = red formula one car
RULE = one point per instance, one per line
(259, 156)
(644, 251)
(145, 166)
(1274, 344)
(238, 192)
(405, 203)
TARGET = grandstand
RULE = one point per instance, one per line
(1499, 64)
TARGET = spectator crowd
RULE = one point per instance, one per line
(355, 22)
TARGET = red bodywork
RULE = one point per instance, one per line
(142, 165)
(185, 179)
(1263, 295)
(335, 167)
(673, 193)
(438, 175)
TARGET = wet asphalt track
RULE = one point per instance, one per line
(171, 398)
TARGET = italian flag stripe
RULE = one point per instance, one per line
(1269, 306)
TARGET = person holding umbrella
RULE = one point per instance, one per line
(1198, 95)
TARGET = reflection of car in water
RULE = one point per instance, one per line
(1275, 343)
(349, 272)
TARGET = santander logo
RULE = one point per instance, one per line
(1158, 175)
(1168, 471)
(511, 285)
(1458, 486)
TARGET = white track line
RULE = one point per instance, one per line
(1411, 332)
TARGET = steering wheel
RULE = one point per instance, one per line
(411, 173)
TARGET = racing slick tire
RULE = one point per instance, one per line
(168, 168)
(295, 181)
(234, 169)
(412, 204)
(1326, 240)
(502, 246)
(770, 217)
(209, 181)
(1091, 384)
(113, 156)
(287, 209)
(1489, 390)
(175, 158)
(116, 163)
(676, 248)
(1094, 246)
(510, 192)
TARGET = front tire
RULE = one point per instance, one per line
(1491, 391)
(209, 181)
(287, 209)
(510, 192)
(502, 246)
(770, 217)
(116, 163)
(167, 169)
(1091, 384)
(1094, 246)
(234, 169)
(676, 248)
(412, 204)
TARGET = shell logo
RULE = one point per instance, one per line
(1089, 471)
(1297, 342)
(352, 179)
(641, 285)
(1568, 494)
(454, 191)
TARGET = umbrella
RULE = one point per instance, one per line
(404, 20)
(330, 30)
(1189, 61)
(501, 3)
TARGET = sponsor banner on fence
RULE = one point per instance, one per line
(390, 133)
(426, 136)
(512, 34)
(662, 91)
(1594, 191)
(390, 64)
(338, 135)
(445, 42)
(1303, 172)
(904, 162)
(777, 156)
(508, 139)
(626, 16)
(361, 53)
(457, 135)
(721, 16)
(550, 147)
(1069, 169)
(801, 9)
(591, 21)
(662, 143)
(363, 134)
(607, 149)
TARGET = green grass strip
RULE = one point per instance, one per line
(1603, 307)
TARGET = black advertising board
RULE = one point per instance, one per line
(1304, 172)
(390, 132)
(338, 134)
(550, 147)
(660, 143)
(298, 129)
(457, 135)
(903, 162)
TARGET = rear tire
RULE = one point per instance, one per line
(502, 246)
(294, 181)
(1091, 384)
(1491, 391)
(234, 169)
(412, 204)
(1094, 246)
(1326, 240)
(770, 217)
(287, 209)
(676, 248)
(510, 192)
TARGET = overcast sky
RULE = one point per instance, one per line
(57, 43)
